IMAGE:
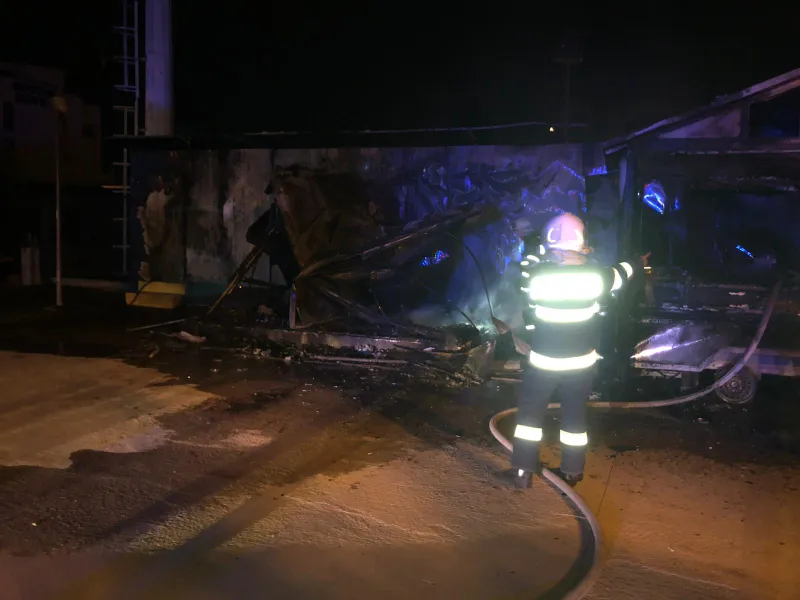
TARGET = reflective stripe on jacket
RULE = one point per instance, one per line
(564, 301)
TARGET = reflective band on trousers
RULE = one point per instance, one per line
(628, 268)
(617, 281)
(572, 363)
(566, 315)
(574, 439)
(531, 434)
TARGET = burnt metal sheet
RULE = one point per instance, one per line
(335, 341)
(784, 363)
(450, 357)
(764, 90)
(689, 343)
(420, 250)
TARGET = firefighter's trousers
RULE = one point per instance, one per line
(540, 387)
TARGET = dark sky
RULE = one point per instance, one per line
(373, 65)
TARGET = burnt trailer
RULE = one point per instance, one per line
(714, 196)
(403, 251)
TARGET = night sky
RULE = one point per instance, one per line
(369, 66)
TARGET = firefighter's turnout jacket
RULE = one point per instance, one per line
(563, 302)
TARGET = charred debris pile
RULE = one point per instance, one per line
(391, 273)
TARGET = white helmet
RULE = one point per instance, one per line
(564, 232)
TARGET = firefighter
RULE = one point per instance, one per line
(564, 291)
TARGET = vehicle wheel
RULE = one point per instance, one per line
(741, 389)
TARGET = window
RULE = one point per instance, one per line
(28, 93)
(88, 130)
(8, 117)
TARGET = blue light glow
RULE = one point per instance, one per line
(654, 196)
(581, 199)
(435, 259)
(519, 252)
(569, 170)
(744, 250)
(676, 206)
(602, 170)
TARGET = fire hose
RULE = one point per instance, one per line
(590, 578)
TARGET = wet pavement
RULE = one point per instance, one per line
(181, 471)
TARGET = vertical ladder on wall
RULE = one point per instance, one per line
(127, 94)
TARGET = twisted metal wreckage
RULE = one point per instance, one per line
(421, 269)
(388, 272)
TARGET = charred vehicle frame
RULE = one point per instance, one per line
(719, 217)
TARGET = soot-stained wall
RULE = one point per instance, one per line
(223, 192)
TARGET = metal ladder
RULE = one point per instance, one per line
(127, 95)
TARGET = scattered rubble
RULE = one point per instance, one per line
(393, 276)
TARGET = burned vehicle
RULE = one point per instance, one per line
(721, 229)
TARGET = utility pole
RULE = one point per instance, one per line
(60, 108)
(568, 54)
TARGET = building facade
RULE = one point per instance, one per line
(28, 123)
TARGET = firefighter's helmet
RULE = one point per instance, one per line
(564, 232)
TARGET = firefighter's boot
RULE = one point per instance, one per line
(521, 479)
(571, 479)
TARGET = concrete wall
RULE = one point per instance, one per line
(226, 191)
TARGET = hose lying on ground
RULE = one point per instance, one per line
(588, 581)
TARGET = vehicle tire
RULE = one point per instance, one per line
(741, 389)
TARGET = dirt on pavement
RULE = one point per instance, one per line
(193, 473)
